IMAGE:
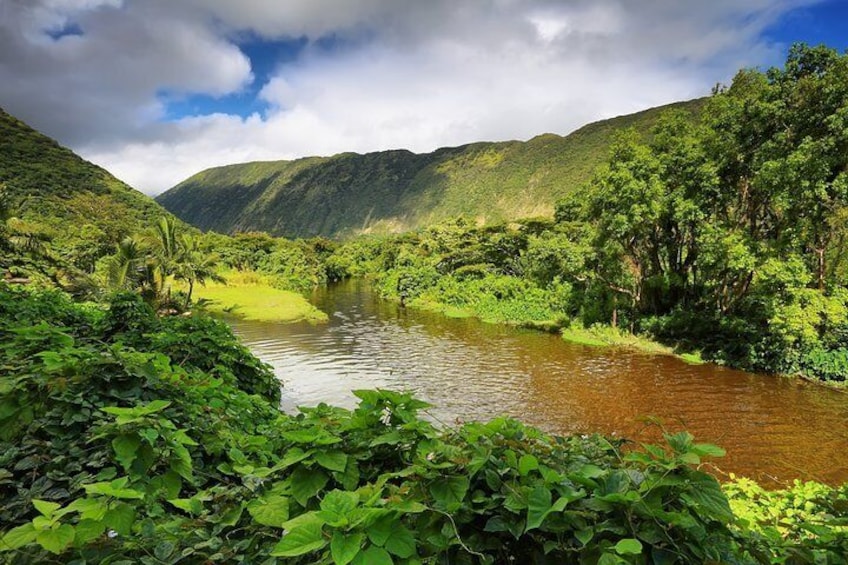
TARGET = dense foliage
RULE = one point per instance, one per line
(128, 437)
(394, 191)
(726, 235)
(75, 211)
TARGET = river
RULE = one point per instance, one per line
(774, 429)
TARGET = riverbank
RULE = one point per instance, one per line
(253, 297)
(574, 332)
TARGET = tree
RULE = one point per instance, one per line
(194, 266)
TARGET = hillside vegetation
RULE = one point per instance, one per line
(393, 191)
(72, 211)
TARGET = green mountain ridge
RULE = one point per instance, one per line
(71, 201)
(397, 190)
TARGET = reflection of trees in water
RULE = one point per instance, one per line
(472, 370)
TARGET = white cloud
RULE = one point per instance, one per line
(407, 73)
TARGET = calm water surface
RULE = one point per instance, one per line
(773, 429)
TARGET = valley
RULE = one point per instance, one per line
(575, 307)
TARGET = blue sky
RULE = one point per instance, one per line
(157, 90)
(825, 22)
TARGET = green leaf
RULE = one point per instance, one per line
(585, 535)
(47, 509)
(87, 530)
(126, 447)
(18, 537)
(114, 489)
(538, 506)
(401, 543)
(163, 550)
(121, 518)
(191, 506)
(690, 458)
(629, 546)
(56, 540)
(708, 450)
(181, 461)
(680, 442)
(89, 508)
(306, 483)
(130, 415)
(373, 556)
(292, 456)
(526, 464)
(332, 460)
(344, 547)
(611, 559)
(705, 493)
(382, 529)
(272, 511)
(339, 502)
(449, 492)
(305, 537)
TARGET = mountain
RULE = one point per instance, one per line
(81, 208)
(393, 191)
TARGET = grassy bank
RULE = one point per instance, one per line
(252, 297)
(607, 336)
(516, 313)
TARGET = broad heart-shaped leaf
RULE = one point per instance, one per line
(679, 442)
(304, 537)
(87, 530)
(344, 547)
(18, 537)
(538, 506)
(56, 540)
(130, 415)
(708, 450)
(585, 535)
(272, 511)
(449, 492)
(401, 543)
(339, 502)
(114, 489)
(526, 464)
(46, 508)
(193, 506)
(121, 518)
(305, 483)
(332, 460)
(381, 529)
(629, 546)
(126, 447)
(611, 559)
(373, 556)
(706, 494)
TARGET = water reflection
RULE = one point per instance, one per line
(772, 428)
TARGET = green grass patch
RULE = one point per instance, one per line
(443, 309)
(606, 336)
(251, 297)
(692, 358)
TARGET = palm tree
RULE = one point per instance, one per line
(133, 268)
(17, 237)
(194, 266)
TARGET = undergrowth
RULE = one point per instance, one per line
(128, 438)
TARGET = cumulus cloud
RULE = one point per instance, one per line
(375, 74)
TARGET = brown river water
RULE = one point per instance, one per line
(774, 429)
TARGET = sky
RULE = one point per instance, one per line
(157, 90)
